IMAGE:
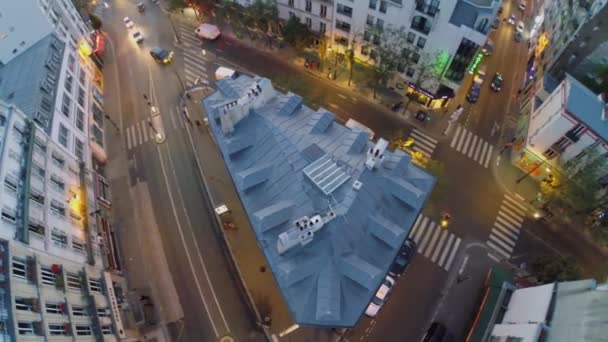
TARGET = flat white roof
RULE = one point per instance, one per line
(529, 305)
(527, 332)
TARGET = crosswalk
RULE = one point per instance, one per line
(506, 228)
(472, 146)
(423, 143)
(437, 244)
(141, 133)
(194, 57)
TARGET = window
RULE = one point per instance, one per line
(10, 183)
(57, 182)
(421, 42)
(19, 268)
(68, 83)
(97, 114)
(39, 144)
(59, 237)
(365, 50)
(63, 135)
(74, 281)
(367, 36)
(291, 14)
(308, 5)
(373, 4)
(9, 215)
(383, 6)
(25, 328)
(345, 10)
(308, 22)
(71, 62)
(401, 67)
(323, 11)
(23, 304)
(380, 24)
(410, 72)
(81, 96)
(36, 228)
(58, 160)
(95, 285)
(98, 134)
(54, 308)
(290, 3)
(47, 276)
(322, 27)
(83, 330)
(78, 149)
(77, 245)
(79, 311)
(106, 330)
(373, 54)
(342, 25)
(370, 20)
(65, 106)
(415, 57)
(550, 154)
(57, 208)
(58, 329)
(79, 119)
(103, 312)
(341, 40)
(83, 78)
(36, 196)
(376, 39)
(421, 24)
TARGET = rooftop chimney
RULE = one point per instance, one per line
(375, 155)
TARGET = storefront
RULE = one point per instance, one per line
(426, 98)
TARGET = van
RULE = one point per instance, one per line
(223, 73)
(207, 31)
(357, 126)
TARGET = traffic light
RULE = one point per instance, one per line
(445, 220)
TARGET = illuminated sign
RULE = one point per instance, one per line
(542, 43)
(84, 48)
(476, 62)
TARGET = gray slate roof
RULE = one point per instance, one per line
(275, 156)
(586, 106)
(22, 80)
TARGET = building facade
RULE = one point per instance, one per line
(50, 249)
(450, 32)
(63, 93)
(566, 126)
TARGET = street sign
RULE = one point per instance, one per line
(476, 62)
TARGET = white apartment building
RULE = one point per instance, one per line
(567, 124)
(316, 14)
(58, 85)
(452, 29)
(17, 37)
(50, 250)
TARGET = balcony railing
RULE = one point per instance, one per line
(428, 9)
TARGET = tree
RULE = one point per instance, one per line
(548, 268)
(175, 5)
(388, 46)
(437, 169)
(296, 33)
(265, 17)
(428, 68)
(95, 22)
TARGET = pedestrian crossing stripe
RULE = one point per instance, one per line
(472, 146)
(507, 231)
(507, 226)
(423, 143)
(498, 249)
(434, 243)
(138, 134)
(514, 202)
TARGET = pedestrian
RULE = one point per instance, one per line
(145, 96)
(198, 123)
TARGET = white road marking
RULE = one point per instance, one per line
(491, 256)
(442, 237)
(431, 244)
(476, 139)
(451, 259)
(488, 156)
(466, 144)
(341, 96)
(446, 249)
(128, 138)
(416, 225)
(455, 137)
(333, 105)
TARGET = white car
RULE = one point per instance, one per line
(520, 27)
(137, 36)
(512, 19)
(380, 298)
(128, 22)
(522, 6)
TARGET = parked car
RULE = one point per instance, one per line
(223, 72)
(520, 27)
(128, 22)
(474, 93)
(496, 84)
(404, 257)
(500, 9)
(488, 48)
(208, 31)
(380, 297)
(512, 19)
(435, 333)
(137, 36)
(517, 37)
(140, 6)
(496, 24)
(161, 55)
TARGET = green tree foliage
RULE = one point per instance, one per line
(429, 68)
(389, 51)
(437, 169)
(548, 269)
(265, 14)
(579, 188)
(175, 5)
(95, 22)
(296, 34)
(598, 83)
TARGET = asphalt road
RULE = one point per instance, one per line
(206, 289)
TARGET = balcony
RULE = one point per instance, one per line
(421, 24)
(431, 9)
(343, 26)
(344, 10)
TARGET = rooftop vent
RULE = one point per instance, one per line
(326, 174)
(357, 185)
(375, 155)
(303, 231)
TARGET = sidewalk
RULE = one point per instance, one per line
(241, 241)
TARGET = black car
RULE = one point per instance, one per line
(161, 55)
(474, 93)
(496, 84)
(403, 259)
(435, 333)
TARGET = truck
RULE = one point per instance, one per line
(208, 31)
(357, 126)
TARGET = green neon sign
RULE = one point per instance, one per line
(476, 61)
